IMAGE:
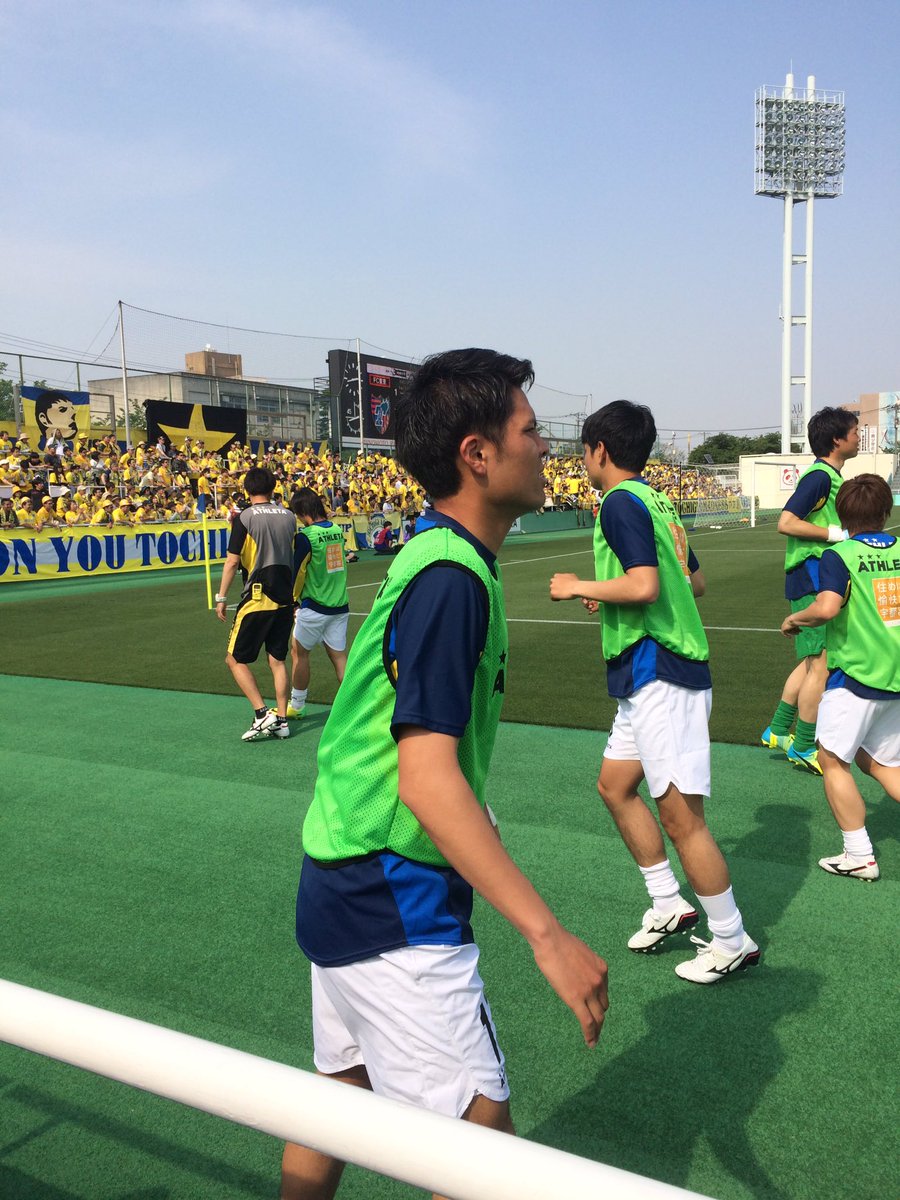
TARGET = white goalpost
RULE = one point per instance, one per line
(771, 483)
(453, 1158)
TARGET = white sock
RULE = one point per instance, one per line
(857, 843)
(298, 699)
(724, 919)
(662, 886)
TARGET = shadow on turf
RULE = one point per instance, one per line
(708, 1053)
(52, 1112)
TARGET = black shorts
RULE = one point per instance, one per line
(259, 623)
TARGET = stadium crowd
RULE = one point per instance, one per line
(95, 482)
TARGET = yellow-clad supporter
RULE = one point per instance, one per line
(123, 513)
(75, 515)
(24, 510)
(46, 515)
(103, 514)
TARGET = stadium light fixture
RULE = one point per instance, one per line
(800, 152)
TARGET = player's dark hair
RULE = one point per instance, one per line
(864, 503)
(451, 396)
(826, 425)
(627, 430)
(259, 481)
(306, 503)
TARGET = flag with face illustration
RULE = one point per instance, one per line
(48, 412)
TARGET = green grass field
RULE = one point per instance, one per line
(149, 858)
(156, 632)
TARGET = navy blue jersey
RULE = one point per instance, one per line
(359, 908)
(811, 493)
(834, 577)
(628, 529)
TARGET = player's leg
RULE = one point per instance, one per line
(247, 637)
(684, 821)
(803, 749)
(281, 679)
(307, 1174)
(777, 734)
(300, 672)
(618, 788)
(308, 630)
(851, 727)
(671, 731)
(338, 661)
(620, 775)
(887, 777)
(334, 639)
(246, 680)
(492, 1114)
(424, 1028)
(277, 642)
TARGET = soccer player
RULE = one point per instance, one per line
(657, 663)
(262, 544)
(809, 520)
(858, 605)
(398, 835)
(321, 588)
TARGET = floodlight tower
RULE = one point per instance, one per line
(799, 156)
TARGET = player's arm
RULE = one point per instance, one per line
(639, 585)
(812, 492)
(302, 556)
(793, 526)
(628, 529)
(698, 583)
(229, 570)
(834, 592)
(433, 787)
(823, 609)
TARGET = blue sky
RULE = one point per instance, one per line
(572, 182)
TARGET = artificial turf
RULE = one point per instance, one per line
(155, 631)
(148, 865)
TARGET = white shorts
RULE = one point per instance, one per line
(666, 729)
(418, 1020)
(311, 627)
(847, 723)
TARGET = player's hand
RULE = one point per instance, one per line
(221, 610)
(591, 605)
(563, 586)
(578, 976)
(788, 628)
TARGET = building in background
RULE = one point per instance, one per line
(879, 422)
(275, 411)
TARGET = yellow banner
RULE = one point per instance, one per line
(26, 555)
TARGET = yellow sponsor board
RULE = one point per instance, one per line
(63, 554)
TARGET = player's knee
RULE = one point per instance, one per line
(493, 1114)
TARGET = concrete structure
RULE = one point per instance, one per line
(879, 421)
(772, 477)
(214, 363)
(276, 412)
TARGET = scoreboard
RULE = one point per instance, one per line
(383, 379)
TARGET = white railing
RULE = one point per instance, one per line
(451, 1157)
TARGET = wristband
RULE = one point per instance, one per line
(221, 599)
(836, 534)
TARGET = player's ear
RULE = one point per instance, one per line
(471, 451)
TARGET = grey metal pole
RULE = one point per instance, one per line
(124, 378)
(362, 439)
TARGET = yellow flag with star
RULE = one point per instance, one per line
(204, 425)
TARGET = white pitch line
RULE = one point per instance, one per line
(586, 624)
